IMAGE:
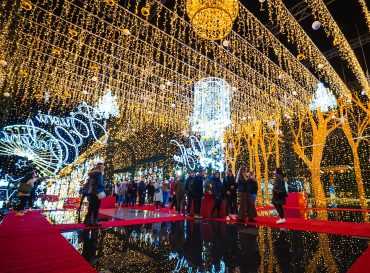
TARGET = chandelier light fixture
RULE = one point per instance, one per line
(212, 19)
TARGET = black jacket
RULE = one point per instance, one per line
(189, 184)
(197, 189)
(230, 185)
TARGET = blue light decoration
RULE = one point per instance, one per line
(49, 151)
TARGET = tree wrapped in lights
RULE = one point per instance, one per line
(310, 147)
(354, 123)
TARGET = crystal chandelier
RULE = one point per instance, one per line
(212, 19)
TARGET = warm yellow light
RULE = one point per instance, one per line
(212, 20)
(145, 11)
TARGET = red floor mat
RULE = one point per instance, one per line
(31, 244)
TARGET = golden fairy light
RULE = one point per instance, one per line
(212, 20)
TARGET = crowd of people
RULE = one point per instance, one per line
(183, 196)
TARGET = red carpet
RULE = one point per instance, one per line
(362, 265)
(31, 244)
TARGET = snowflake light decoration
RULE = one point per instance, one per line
(108, 105)
(324, 99)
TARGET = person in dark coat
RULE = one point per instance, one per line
(279, 195)
(96, 187)
(189, 184)
(217, 192)
(247, 207)
(132, 193)
(141, 190)
(230, 189)
(197, 192)
(150, 190)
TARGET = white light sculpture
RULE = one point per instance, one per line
(211, 116)
(211, 107)
(324, 99)
(108, 105)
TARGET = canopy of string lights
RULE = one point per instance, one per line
(57, 53)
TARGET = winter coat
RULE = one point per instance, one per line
(197, 189)
(158, 194)
(132, 190)
(150, 189)
(122, 189)
(243, 185)
(230, 185)
(217, 188)
(179, 188)
(142, 187)
(253, 186)
(189, 184)
(172, 188)
(278, 191)
(96, 182)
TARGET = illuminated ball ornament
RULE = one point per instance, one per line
(173, 105)
(320, 66)
(126, 31)
(26, 4)
(301, 57)
(225, 43)
(94, 78)
(73, 32)
(23, 73)
(162, 87)
(6, 94)
(363, 93)
(3, 63)
(110, 2)
(316, 25)
(212, 20)
(145, 11)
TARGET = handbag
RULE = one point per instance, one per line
(25, 188)
(101, 195)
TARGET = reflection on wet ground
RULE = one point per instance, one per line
(75, 217)
(210, 246)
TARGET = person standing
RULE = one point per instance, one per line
(189, 184)
(217, 191)
(230, 189)
(24, 190)
(121, 192)
(246, 205)
(158, 195)
(253, 186)
(180, 196)
(96, 192)
(173, 195)
(150, 191)
(132, 193)
(198, 193)
(141, 189)
(166, 192)
(279, 195)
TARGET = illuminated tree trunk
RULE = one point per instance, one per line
(361, 123)
(357, 167)
(320, 131)
(257, 162)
